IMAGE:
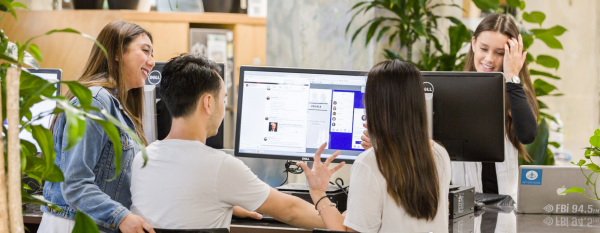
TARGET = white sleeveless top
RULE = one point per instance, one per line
(507, 172)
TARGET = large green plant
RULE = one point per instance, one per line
(412, 21)
(539, 150)
(32, 90)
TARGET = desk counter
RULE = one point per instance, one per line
(492, 219)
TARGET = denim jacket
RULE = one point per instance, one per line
(89, 166)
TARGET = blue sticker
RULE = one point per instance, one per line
(531, 177)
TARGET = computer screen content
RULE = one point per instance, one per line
(288, 113)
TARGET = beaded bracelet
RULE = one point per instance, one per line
(330, 204)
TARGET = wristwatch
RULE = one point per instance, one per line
(515, 79)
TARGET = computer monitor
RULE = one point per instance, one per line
(44, 106)
(163, 117)
(468, 114)
(287, 113)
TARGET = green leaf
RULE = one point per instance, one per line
(372, 30)
(593, 167)
(114, 136)
(44, 139)
(35, 52)
(418, 27)
(581, 163)
(9, 6)
(36, 167)
(542, 87)
(541, 73)
(38, 200)
(537, 149)
(382, 32)
(389, 54)
(529, 58)
(542, 105)
(527, 42)
(356, 32)
(574, 190)
(70, 30)
(83, 94)
(85, 224)
(513, 3)
(548, 116)
(550, 41)
(130, 132)
(534, 17)
(75, 121)
(459, 35)
(595, 141)
(597, 132)
(18, 4)
(28, 147)
(555, 31)
(487, 5)
(554, 144)
(548, 61)
(522, 5)
(454, 20)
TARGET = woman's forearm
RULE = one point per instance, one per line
(332, 218)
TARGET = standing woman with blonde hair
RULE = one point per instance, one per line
(116, 83)
(497, 46)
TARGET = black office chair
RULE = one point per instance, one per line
(211, 230)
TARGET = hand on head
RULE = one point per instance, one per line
(318, 177)
(514, 57)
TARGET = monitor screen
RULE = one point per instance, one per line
(44, 106)
(288, 113)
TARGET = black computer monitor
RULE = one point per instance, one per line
(287, 113)
(468, 114)
(44, 106)
(163, 118)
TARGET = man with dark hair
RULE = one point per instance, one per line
(188, 185)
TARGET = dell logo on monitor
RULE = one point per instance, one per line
(428, 87)
(305, 159)
(154, 77)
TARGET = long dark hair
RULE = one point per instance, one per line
(395, 107)
(100, 71)
(505, 25)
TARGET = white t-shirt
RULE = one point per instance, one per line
(372, 209)
(188, 185)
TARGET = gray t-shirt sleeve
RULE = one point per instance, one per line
(238, 186)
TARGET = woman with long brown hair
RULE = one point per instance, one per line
(401, 184)
(88, 167)
(497, 46)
